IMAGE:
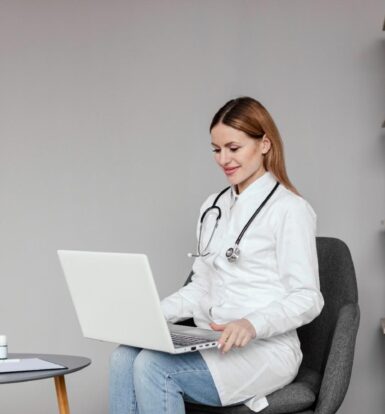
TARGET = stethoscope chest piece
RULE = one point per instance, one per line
(232, 254)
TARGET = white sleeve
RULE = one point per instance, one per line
(180, 305)
(298, 268)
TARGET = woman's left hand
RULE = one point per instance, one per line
(236, 333)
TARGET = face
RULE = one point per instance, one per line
(240, 156)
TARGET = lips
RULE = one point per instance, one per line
(230, 171)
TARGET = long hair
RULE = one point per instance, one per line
(250, 116)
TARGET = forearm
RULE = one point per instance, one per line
(297, 309)
(175, 307)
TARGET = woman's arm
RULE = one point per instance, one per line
(298, 268)
(180, 305)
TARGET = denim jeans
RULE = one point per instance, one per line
(153, 382)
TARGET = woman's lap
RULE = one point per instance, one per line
(189, 371)
(156, 376)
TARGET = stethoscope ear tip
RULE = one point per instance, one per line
(194, 255)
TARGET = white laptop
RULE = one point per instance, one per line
(116, 300)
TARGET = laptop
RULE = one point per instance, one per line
(116, 300)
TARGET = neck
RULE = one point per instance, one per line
(242, 186)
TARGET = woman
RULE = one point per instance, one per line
(255, 281)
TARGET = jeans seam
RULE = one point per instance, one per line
(187, 371)
(166, 393)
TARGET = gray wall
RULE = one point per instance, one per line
(104, 145)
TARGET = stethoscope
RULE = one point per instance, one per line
(232, 253)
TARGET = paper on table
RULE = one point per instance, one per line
(27, 364)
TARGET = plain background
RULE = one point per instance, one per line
(104, 145)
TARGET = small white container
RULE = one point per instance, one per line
(3, 347)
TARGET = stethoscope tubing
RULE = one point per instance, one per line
(214, 206)
(255, 214)
(232, 253)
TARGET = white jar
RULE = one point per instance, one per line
(3, 347)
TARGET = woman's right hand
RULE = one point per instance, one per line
(237, 333)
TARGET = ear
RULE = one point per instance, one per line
(265, 144)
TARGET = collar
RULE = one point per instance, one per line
(260, 186)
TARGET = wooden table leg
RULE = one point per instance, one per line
(61, 393)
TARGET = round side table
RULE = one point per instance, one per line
(72, 364)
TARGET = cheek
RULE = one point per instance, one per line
(253, 163)
(256, 158)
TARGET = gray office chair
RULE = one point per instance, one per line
(327, 344)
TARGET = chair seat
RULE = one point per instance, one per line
(294, 397)
(297, 396)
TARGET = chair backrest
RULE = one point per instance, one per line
(339, 288)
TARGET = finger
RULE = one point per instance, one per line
(229, 342)
(239, 340)
(223, 338)
(245, 341)
(242, 338)
(217, 327)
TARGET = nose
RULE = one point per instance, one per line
(224, 157)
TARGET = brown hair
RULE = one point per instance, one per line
(250, 116)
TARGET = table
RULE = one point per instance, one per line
(73, 364)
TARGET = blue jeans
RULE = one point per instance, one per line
(153, 382)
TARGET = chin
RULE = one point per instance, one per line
(232, 181)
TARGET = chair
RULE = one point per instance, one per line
(327, 344)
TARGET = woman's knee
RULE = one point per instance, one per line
(123, 357)
(150, 365)
(144, 363)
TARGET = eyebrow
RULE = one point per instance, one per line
(226, 145)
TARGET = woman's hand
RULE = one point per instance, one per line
(236, 333)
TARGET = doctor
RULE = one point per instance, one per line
(255, 280)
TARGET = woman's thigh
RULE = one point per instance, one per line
(121, 382)
(188, 372)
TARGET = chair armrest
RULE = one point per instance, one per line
(338, 368)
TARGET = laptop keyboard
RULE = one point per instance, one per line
(187, 340)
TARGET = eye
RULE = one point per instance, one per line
(234, 149)
(215, 150)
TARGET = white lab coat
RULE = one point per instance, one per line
(274, 284)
